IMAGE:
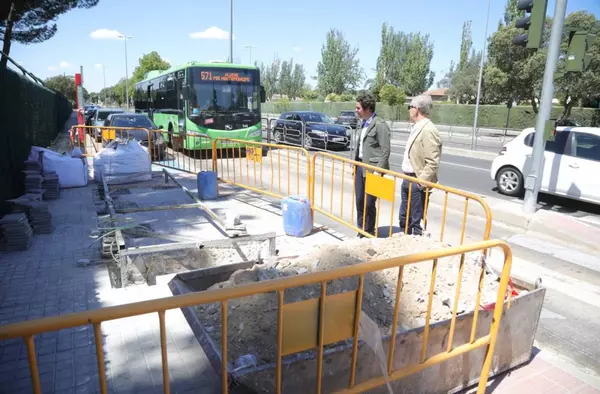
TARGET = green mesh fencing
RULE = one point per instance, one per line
(493, 116)
(30, 114)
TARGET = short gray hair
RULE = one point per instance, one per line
(423, 103)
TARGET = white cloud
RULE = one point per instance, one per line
(212, 33)
(64, 64)
(105, 34)
(52, 68)
(297, 49)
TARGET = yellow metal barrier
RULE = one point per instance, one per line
(293, 315)
(190, 153)
(271, 169)
(334, 175)
(91, 139)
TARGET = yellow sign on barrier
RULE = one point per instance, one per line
(109, 134)
(380, 187)
(254, 154)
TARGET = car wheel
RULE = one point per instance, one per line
(277, 137)
(510, 181)
(308, 142)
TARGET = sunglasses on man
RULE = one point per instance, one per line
(410, 107)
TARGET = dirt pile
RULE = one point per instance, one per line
(253, 320)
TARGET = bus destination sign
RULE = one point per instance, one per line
(224, 76)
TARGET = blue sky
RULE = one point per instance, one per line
(289, 29)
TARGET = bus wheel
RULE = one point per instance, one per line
(169, 134)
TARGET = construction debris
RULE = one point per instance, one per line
(51, 186)
(18, 235)
(252, 320)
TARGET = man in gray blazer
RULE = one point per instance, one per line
(373, 147)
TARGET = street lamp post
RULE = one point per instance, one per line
(231, 31)
(103, 66)
(250, 56)
(125, 38)
(474, 136)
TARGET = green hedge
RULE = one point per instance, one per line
(30, 115)
(448, 114)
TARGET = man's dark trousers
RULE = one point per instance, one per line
(417, 206)
(371, 211)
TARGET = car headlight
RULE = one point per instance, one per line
(254, 134)
(319, 132)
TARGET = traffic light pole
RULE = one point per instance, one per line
(534, 178)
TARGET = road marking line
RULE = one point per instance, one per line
(548, 314)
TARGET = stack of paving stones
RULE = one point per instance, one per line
(51, 186)
(33, 165)
(18, 235)
(33, 183)
(36, 211)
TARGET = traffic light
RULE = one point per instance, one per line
(534, 23)
(580, 42)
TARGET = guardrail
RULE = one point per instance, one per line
(270, 169)
(333, 175)
(324, 332)
(191, 152)
(92, 139)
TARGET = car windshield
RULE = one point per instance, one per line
(132, 121)
(102, 115)
(317, 118)
(224, 91)
(348, 113)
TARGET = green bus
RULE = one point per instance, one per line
(203, 99)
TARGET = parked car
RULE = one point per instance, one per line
(321, 131)
(100, 116)
(571, 164)
(143, 122)
(347, 118)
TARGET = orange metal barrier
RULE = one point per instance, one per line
(190, 153)
(91, 139)
(325, 331)
(271, 169)
(333, 195)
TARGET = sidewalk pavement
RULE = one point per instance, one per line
(545, 373)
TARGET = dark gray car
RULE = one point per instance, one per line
(133, 121)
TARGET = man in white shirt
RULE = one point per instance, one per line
(373, 147)
(421, 160)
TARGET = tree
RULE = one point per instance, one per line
(285, 78)
(463, 84)
(298, 80)
(270, 77)
(64, 85)
(391, 95)
(579, 87)
(148, 62)
(31, 21)
(339, 69)
(404, 61)
(520, 69)
(466, 45)
(446, 82)
(512, 12)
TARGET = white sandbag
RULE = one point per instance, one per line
(127, 162)
(71, 171)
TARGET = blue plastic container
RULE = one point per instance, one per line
(207, 185)
(297, 216)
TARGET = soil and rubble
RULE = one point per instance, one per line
(252, 320)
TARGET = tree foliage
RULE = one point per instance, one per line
(148, 62)
(404, 61)
(65, 85)
(32, 21)
(512, 12)
(339, 69)
(392, 95)
(464, 82)
(465, 45)
(270, 77)
(580, 87)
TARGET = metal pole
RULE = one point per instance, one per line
(473, 136)
(231, 31)
(126, 76)
(534, 178)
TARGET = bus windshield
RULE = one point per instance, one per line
(224, 91)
